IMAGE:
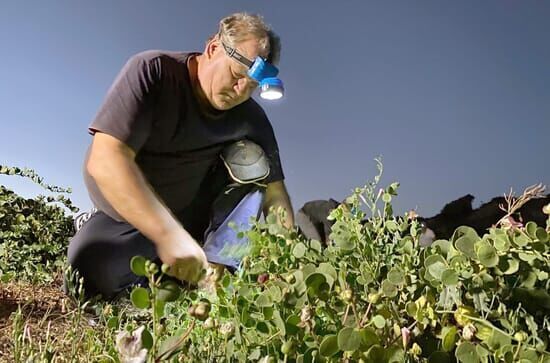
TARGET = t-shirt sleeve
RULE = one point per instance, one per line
(126, 112)
(262, 134)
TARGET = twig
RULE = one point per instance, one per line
(513, 203)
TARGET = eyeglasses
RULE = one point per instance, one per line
(232, 53)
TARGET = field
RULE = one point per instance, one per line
(372, 294)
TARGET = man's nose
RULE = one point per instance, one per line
(243, 86)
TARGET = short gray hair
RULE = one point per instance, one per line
(240, 27)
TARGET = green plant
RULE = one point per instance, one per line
(372, 295)
(375, 295)
(34, 233)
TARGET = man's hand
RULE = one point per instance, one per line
(185, 257)
(276, 196)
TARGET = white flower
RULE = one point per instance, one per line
(469, 331)
(226, 328)
(129, 346)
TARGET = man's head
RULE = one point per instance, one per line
(223, 79)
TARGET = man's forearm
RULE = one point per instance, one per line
(123, 185)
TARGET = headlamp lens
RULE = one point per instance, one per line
(271, 88)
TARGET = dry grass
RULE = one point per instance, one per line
(48, 322)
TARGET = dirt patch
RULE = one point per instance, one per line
(42, 307)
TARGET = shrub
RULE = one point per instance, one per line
(372, 295)
(34, 233)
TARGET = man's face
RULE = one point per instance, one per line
(224, 80)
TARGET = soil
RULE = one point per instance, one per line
(42, 309)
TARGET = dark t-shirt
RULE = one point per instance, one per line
(151, 107)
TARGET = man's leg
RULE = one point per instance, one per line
(101, 252)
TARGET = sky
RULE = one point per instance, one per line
(454, 95)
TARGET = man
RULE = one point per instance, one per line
(152, 170)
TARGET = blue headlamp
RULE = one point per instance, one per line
(263, 72)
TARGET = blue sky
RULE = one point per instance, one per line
(455, 95)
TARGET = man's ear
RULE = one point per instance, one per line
(212, 47)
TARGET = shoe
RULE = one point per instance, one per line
(83, 218)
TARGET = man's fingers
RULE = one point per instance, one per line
(188, 271)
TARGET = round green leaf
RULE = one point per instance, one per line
(396, 276)
(439, 357)
(146, 339)
(264, 300)
(275, 293)
(315, 245)
(279, 323)
(435, 265)
(531, 229)
(521, 239)
(310, 356)
(394, 354)
(501, 243)
(527, 257)
(379, 321)
(389, 289)
(541, 234)
(329, 346)
(449, 277)
(140, 298)
(137, 265)
(487, 254)
(465, 244)
(442, 245)
(291, 324)
(329, 271)
(376, 354)
(348, 339)
(262, 327)
(465, 231)
(313, 282)
(392, 226)
(159, 308)
(368, 338)
(449, 336)
(386, 198)
(168, 291)
(466, 353)
(508, 265)
(299, 250)
(411, 308)
(113, 322)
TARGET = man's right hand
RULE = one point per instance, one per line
(185, 257)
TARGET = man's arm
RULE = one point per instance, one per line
(276, 196)
(111, 164)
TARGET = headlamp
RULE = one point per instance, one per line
(263, 72)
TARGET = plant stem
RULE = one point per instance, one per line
(178, 342)
(364, 318)
(345, 315)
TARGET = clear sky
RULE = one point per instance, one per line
(455, 95)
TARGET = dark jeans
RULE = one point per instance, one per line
(102, 249)
(101, 252)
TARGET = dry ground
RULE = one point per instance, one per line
(43, 308)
